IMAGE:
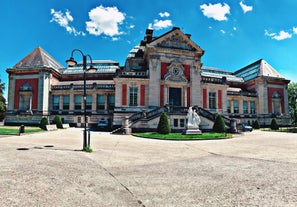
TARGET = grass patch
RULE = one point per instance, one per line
(282, 129)
(179, 136)
(12, 130)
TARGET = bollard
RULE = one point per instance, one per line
(22, 129)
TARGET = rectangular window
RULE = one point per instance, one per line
(245, 107)
(56, 102)
(133, 96)
(235, 107)
(65, 102)
(77, 102)
(175, 122)
(212, 100)
(100, 102)
(228, 107)
(252, 107)
(89, 102)
(182, 123)
(111, 102)
(79, 119)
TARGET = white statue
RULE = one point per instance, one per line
(193, 118)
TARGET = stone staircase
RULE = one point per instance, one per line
(156, 112)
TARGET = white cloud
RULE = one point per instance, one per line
(164, 14)
(105, 20)
(63, 20)
(282, 35)
(295, 30)
(245, 8)
(216, 11)
(160, 24)
(223, 31)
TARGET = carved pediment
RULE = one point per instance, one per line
(176, 42)
(176, 39)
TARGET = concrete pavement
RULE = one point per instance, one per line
(255, 169)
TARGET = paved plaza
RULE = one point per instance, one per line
(253, 169)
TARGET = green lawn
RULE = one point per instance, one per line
(11, 130)
(179, 136)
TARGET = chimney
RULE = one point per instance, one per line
(149, 35)
(189, 36)
(174, 28)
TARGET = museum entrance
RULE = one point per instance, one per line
(175, 96)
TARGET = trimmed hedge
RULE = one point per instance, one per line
(219, 125)
(43, 123)
(57, 120)
(163, 125)
(274, 125)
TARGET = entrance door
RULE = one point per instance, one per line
(175, 96)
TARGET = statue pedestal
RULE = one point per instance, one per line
(195, 131)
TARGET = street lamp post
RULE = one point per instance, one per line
(71, 62)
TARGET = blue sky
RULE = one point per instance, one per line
(233, 33)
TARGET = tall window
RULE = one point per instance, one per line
(212, 100)
(276, 103)
(100, 102)
(235, 107)
(252, 107)
(111, 102)
(77, 102)
(133, 96)
(65, 102)
(228, 107)
(56, 102)
(245, 107)
(89, 102)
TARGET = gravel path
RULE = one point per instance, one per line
(254, 169)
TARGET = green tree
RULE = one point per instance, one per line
(219, 125)
(163, 125)
(292, 96)
(57, 120)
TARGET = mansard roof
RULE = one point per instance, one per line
(258, 69)
(38, 58)
(211, 72)
(102, 66)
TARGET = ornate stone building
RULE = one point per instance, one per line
(162, 73)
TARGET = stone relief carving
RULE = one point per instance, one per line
(176, 73)
(176, 41)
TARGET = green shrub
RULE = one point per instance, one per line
(43, 123)
(256, 125)
(57, 120)
(219, 125)
(88, 149)
(163, 125)
(274, 125)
